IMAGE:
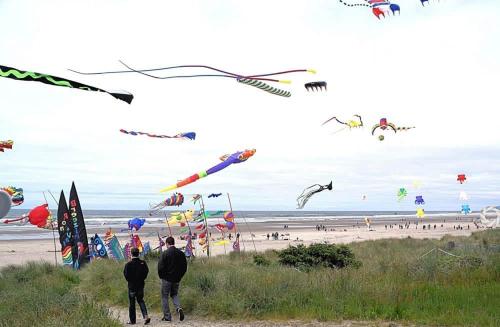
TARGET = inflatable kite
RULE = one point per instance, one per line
(315, 86)
(39, 216)
(461, 178)
(402, 193)
(310, 191)
(215, 195)
(16, 194)
(136, 224)
(463, 196)
(489, 211)
(5, 203)
(13, 73)
(357, 122)
(420, 213)
(185, 136)
(379, 7)
(384, 125)
(419, 200)
(465, 209)
(6, 145)
(175, 199)
(227, 160)
(253, 80)
(181, 218)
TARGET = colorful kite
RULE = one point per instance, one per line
(420, 213)
(5, 203)
(215, 195)
(135, 224)
(113, 245)
(379, 7)
(16, 194)
(355, 123)
(6, 145)
(99, 249)
(315, 86)
(384, 125)
(310, 191)
(227, 160)
(461, 178)
(402, 193)
(253, 80)
(465, 209)
(176, 199)
(39, 216)
(419, 200)
(13, 73)
(185, 136)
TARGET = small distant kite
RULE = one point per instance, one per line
(402, 193)
(185, 136)
(215, 195)
(420, 213)
(310, 191)
(176, 199)
(136, 224)
(227, 160)
(368, 223)
(465, 209)
(6, 145)
(461, 178)
(39, 216)
(463, 196)
(355, 123)
(384, 125)
(379, 7)
(20, 75)
(419, 200)
(316, 86)
(252, 80)
(363, 197)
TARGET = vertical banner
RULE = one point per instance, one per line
(65, 228)
(81, 254)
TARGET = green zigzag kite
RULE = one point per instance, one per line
(13, 73)
(265, 87)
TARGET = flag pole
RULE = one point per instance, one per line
(206, 226)
(235, 226)
(248, 228)
(53, 233)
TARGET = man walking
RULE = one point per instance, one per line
(171, 268)
(135, 272)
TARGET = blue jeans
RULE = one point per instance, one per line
(132, 296)
(172, 289)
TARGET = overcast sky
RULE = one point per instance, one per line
(435, 68)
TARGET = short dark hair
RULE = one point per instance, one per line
(134, 252)
(170, 240)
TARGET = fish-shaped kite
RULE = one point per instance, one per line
(186, 136)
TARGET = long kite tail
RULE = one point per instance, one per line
(354, 4)
(13, 73)
(265, 87)
(188, 135)
(360, 120)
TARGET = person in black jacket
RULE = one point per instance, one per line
(135, 272)
(171, 268)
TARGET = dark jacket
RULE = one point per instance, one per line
(172, 265)
(135, 273)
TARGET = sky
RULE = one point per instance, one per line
(434, 67)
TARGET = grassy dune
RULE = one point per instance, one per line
(393, 284)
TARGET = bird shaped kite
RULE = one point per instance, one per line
(419, 200)
(310, 191)
(420, 213)
(461, 178)
(402, 193)
(465, 209)
(227, 160)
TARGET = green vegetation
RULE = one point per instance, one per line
(318, 255)
(40, 294)
(394, 283)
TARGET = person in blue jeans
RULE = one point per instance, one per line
(135, 272)
(171, 268)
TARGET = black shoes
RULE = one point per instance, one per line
(181, 314)
(147, 321)
(130, 323)
(166, 319)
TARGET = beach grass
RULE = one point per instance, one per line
(394, 283)
(41, 294)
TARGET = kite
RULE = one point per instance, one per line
(495, 222)
(99, 248)
(215, 195)
(5, 203)
(379, 7)
(185, 136)
(423, 1)
(13, 73)
(368, 223)
(402, 193)
(363, 197)
(114, 248)
(417, 184)
(463, 196)
(315, 86)
(465, 209)
(6, 145)
(136, 224)
(310, 191)
(355, 123)
(16, 194)
(253, 80)
(180, 217)
(221, 242)
(419, 200)
(420, 213)
(384, 125)
(227, 160)
(461, 178)
(39, 216)
(236, 244)
(176, 199)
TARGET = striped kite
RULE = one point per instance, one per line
(185, 136)
(379, 7)
(175, 199)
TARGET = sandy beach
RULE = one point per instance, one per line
(253, 235)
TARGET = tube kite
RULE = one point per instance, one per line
(6, 145)
(175, 199)
(310, 191)
(379, 7)
(185, 136)
(265, 87)
(13, 73)
(227, 160)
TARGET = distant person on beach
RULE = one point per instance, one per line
(135, 272)
(171, 268)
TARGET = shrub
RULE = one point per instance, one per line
(260, 260)
(325, 255)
